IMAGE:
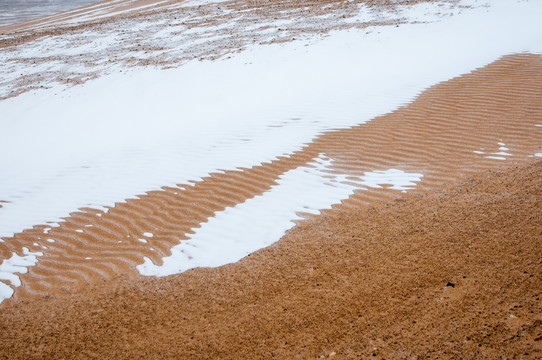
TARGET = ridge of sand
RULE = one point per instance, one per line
(445, 275)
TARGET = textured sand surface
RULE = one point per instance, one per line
(451, 130)
(456, 274)
(446, 270)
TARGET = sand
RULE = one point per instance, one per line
(452, 130)
(448, 270)
(453, 274)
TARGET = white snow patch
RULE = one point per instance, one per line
(258, 222)
(148, 234)
(200, 2)
(142, 240)
(397, 179)
(496, 157)
(15, 264)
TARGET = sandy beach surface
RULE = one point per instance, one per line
(272, 180)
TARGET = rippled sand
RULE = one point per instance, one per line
(438, 271)
(447, 275)
(452, 130)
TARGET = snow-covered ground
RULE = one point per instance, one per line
(137, 129)
(82, 50)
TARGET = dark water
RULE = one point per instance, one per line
(12, 11)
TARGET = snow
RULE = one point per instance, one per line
(15, 264)
(200, 2)
(125, 134)
(237, 231)
(399, 180)
(96, 15)
(499, 155)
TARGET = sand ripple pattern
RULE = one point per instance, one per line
(483, 120)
